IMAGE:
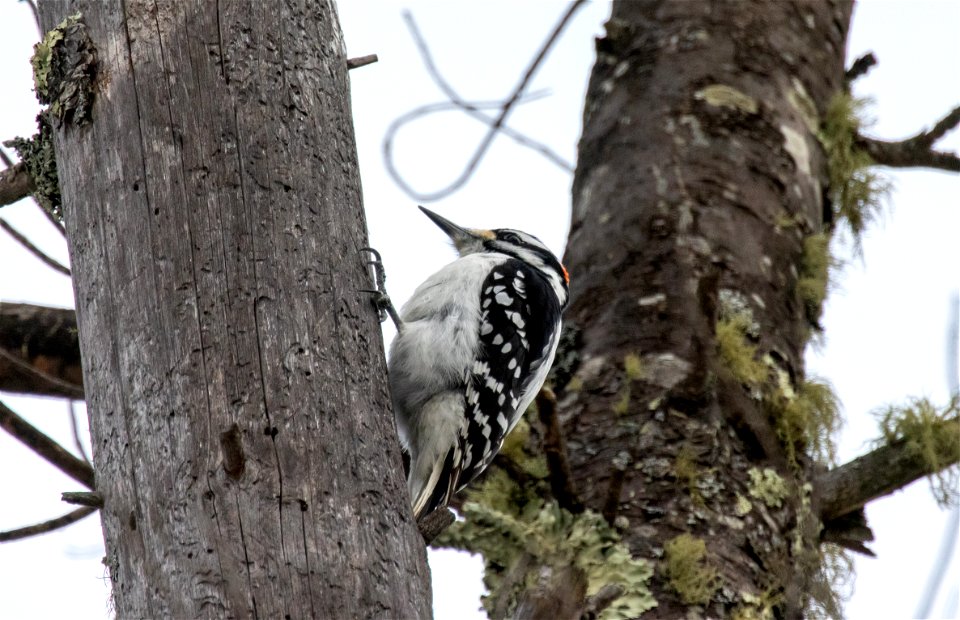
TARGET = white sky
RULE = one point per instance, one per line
(886, 320)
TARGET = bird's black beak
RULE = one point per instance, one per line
(462, 237)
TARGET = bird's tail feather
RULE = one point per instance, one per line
(436, 490)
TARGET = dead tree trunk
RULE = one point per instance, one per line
(700, 176)
(233, 370)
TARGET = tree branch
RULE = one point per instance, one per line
(361, 61)
(46, 210)
(495, 126)
(555, 449)
(22, 240)
(434, 523)
(45, 447)
(15, 183)
(83, 498)
(47, 526)
(891, 467)
(75, 429)
(916, 152)
(39, 351)
(860, 67)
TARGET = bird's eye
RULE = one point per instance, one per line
(511, 238)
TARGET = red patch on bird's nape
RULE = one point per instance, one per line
(566, 276)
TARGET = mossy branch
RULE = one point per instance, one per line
(917, 151)
(916, 444)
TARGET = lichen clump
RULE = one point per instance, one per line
(64, 67)
(808, 419)
(767, 486)
(556, 538)
(737, 352)
(814, 279)
(855, 188)
(688, 571)
(38, 156)
(930, 434)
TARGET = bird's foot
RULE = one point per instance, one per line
(381, 300)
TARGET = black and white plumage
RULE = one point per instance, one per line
(475, 345)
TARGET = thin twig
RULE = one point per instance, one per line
(495, 127)
(474, 109)
(47, 526)
(83, 498)
(70, 389)
(22, 240)
(555, 449)
(43, 446)
(860, 67)
(916, 152)
(75, 427)
(434, 523)
(361, 61)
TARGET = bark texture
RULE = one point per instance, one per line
(235, 375)
(699, 177)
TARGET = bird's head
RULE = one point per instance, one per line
(515, 243)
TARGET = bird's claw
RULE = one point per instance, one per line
(381, 300)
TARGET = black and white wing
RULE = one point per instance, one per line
(519, 321)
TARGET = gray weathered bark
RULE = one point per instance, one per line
(234, 373)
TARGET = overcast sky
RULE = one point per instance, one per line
(886, 321)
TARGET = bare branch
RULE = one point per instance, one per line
(496, 126)
(61, 386)
(15, 183)
(83, 498)
(891, 467)
(361, 61)
(47, 526)
(916, 152)
(555, 449)
(473, 109)
(861, 66)
(75, 429)
(22, 240)
(45, 447)
(434, 523)
(40, 351)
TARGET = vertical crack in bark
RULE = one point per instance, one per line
(306, 554)
(272, 430)
(246, 557)
(220, 61)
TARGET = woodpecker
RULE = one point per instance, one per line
(474, 345)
